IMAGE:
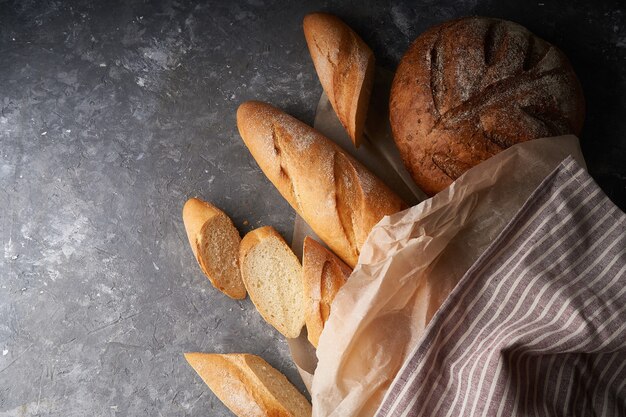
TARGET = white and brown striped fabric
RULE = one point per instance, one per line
(537, 326)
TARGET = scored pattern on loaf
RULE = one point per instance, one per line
(345, 66)
(278, 138)
(436, 78)
(338, 197)
(346, 198)
(467, 89)
(346, 80)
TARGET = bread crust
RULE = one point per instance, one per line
(345, 67)
(323, 274)
(338, 197)
(254, 237)
(237, 379)
(469, 88)
(196, 214)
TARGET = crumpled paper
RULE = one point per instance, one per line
(410, 262)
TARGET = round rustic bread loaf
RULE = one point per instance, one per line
(467, 89)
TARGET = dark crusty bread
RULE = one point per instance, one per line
(337, 196)
(469, 88)
(345, 67)
(323, 274)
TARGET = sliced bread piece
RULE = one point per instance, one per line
(345, 67)
(272, 275)
(248, 385)
(215, 242)
(323, 274)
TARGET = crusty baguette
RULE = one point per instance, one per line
(272, 275)
(248, 385)
(323, 274)
(338, 197)
(345, 67)
(215, 242)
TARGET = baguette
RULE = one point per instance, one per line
(272, 275)
(214, 242)
(248, 385)
(338, 197)
(323, 274)
(345, 67)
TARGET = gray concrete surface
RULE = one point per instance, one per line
(113, 113)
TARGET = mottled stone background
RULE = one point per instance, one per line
(113, 113)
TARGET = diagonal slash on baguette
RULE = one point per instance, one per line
(345, 67)
(336, 195)
(248, 385)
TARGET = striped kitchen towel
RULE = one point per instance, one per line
(537, 326)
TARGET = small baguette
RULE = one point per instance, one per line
(337, 196)
(272, 275)
(214, 242)
(323, 274)
(345, 66)
(249, 386)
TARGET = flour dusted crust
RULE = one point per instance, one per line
(248, 385)
(336, 195)
(345, 66)
(467, 89)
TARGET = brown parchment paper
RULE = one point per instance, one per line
(409, 264)
(380, 155)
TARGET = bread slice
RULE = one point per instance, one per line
(248, 385)
(323, 274)
(345, 66)
(215, 242)
(272, 275)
